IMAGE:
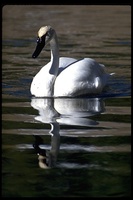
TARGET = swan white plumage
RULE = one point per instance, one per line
(65, 76)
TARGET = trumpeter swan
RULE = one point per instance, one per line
(65, 76)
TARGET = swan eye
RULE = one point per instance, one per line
(48, 34)
(39, 40)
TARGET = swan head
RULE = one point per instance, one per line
(45, 34)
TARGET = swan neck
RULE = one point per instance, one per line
(54, 55)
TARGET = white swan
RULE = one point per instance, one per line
(65, 76)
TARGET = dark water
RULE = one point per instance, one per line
(66, 147)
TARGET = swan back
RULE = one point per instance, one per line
(85, 76)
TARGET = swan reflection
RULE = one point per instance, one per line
(47, 159)
(62, 111)
(68, 111)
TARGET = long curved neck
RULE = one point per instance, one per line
(54, 55)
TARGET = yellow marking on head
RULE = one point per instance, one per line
(43, 30)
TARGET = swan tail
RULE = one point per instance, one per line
(103, 66)
(111, 74)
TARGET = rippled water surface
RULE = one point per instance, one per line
(66, 147)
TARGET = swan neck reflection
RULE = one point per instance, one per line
(61, 111)
(48, 158)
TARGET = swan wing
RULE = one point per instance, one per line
(81, 77)
(64, 62)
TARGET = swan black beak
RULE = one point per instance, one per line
(39, 47)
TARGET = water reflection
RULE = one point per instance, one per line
(68, 111)
(48, 158)
(57, 111)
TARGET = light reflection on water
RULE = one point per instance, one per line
(91, 144)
